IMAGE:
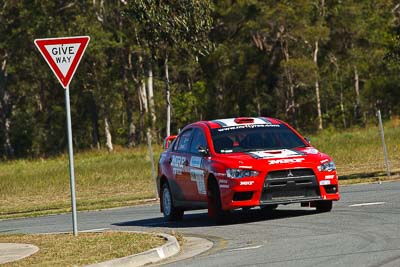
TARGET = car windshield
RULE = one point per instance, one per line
(257, 137)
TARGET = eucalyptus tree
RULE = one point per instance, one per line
(359, 37)
(169, 25)
(29, 110)
(7, 22)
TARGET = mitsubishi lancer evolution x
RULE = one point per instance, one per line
(227, 164)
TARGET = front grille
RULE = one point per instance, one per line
(286, 186)
(242, 196)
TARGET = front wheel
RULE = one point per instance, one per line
(220, 216)
(324, 206)
(171, 213)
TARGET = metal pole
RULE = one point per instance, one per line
(71, 162)
(153, 169)
(383, 144)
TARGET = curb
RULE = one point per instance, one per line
(10, 252)
(154, 255)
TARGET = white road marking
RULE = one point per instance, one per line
(94, 230)
(246, 248)
(367, 204)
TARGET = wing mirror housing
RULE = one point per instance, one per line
(308, 140)
(203, 151)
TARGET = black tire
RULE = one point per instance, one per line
(324, 206)
(220, 216)
(267, 208)
(171, 213)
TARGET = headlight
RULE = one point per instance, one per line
(240, 173)
(327, 167)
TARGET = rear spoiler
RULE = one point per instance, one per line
(168, 140)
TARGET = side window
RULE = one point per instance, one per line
(183, 143)
(198, 140)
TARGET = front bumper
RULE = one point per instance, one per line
(280, 187)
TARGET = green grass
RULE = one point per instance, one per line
(86, 248)
(122, 178)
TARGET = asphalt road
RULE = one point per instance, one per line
(363, 229)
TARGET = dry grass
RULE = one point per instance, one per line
(87, 248)
(358, 153)
(102, 179)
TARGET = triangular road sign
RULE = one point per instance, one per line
(63, 55)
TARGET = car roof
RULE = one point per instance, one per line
(229, 122)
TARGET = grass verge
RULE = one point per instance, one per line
(103, 180)
(87, 248)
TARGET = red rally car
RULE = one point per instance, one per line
(236, 163)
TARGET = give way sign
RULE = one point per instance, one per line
(63, 55)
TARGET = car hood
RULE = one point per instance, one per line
(307, 157)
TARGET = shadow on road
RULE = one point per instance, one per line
(192, 220)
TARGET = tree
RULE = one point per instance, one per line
(173, 25)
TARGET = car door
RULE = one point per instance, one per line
(196, 166)
(179, 162)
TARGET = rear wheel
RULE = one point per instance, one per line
(324, 205)
(171, 213)
(220, 216)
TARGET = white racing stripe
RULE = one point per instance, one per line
(231, 121)
(367, 204)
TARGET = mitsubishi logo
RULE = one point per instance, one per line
(290, 174)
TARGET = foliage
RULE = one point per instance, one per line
(226, 58)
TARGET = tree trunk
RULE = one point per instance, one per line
(320, 127)
(141, 91)
(339, 80)
(258, 102)
(107, 132)
(8, 148)
(357, 108)
(291, 103)
(143, 108)
(95, 123)
(342, 107)
(5, 110)
(129, 113)
(168, 100)
(150, 95)
(357, 85)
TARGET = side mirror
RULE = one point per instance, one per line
(308, 140)
(203, 151)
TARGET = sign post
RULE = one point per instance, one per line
(383, 144)
(63, 56)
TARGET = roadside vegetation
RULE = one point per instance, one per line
(358, 152)
(123, 178)
(87, 248)
(103, 180)
(314, 64)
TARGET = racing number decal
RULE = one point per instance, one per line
(197, 174)
(198, 177)
(177, 164)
